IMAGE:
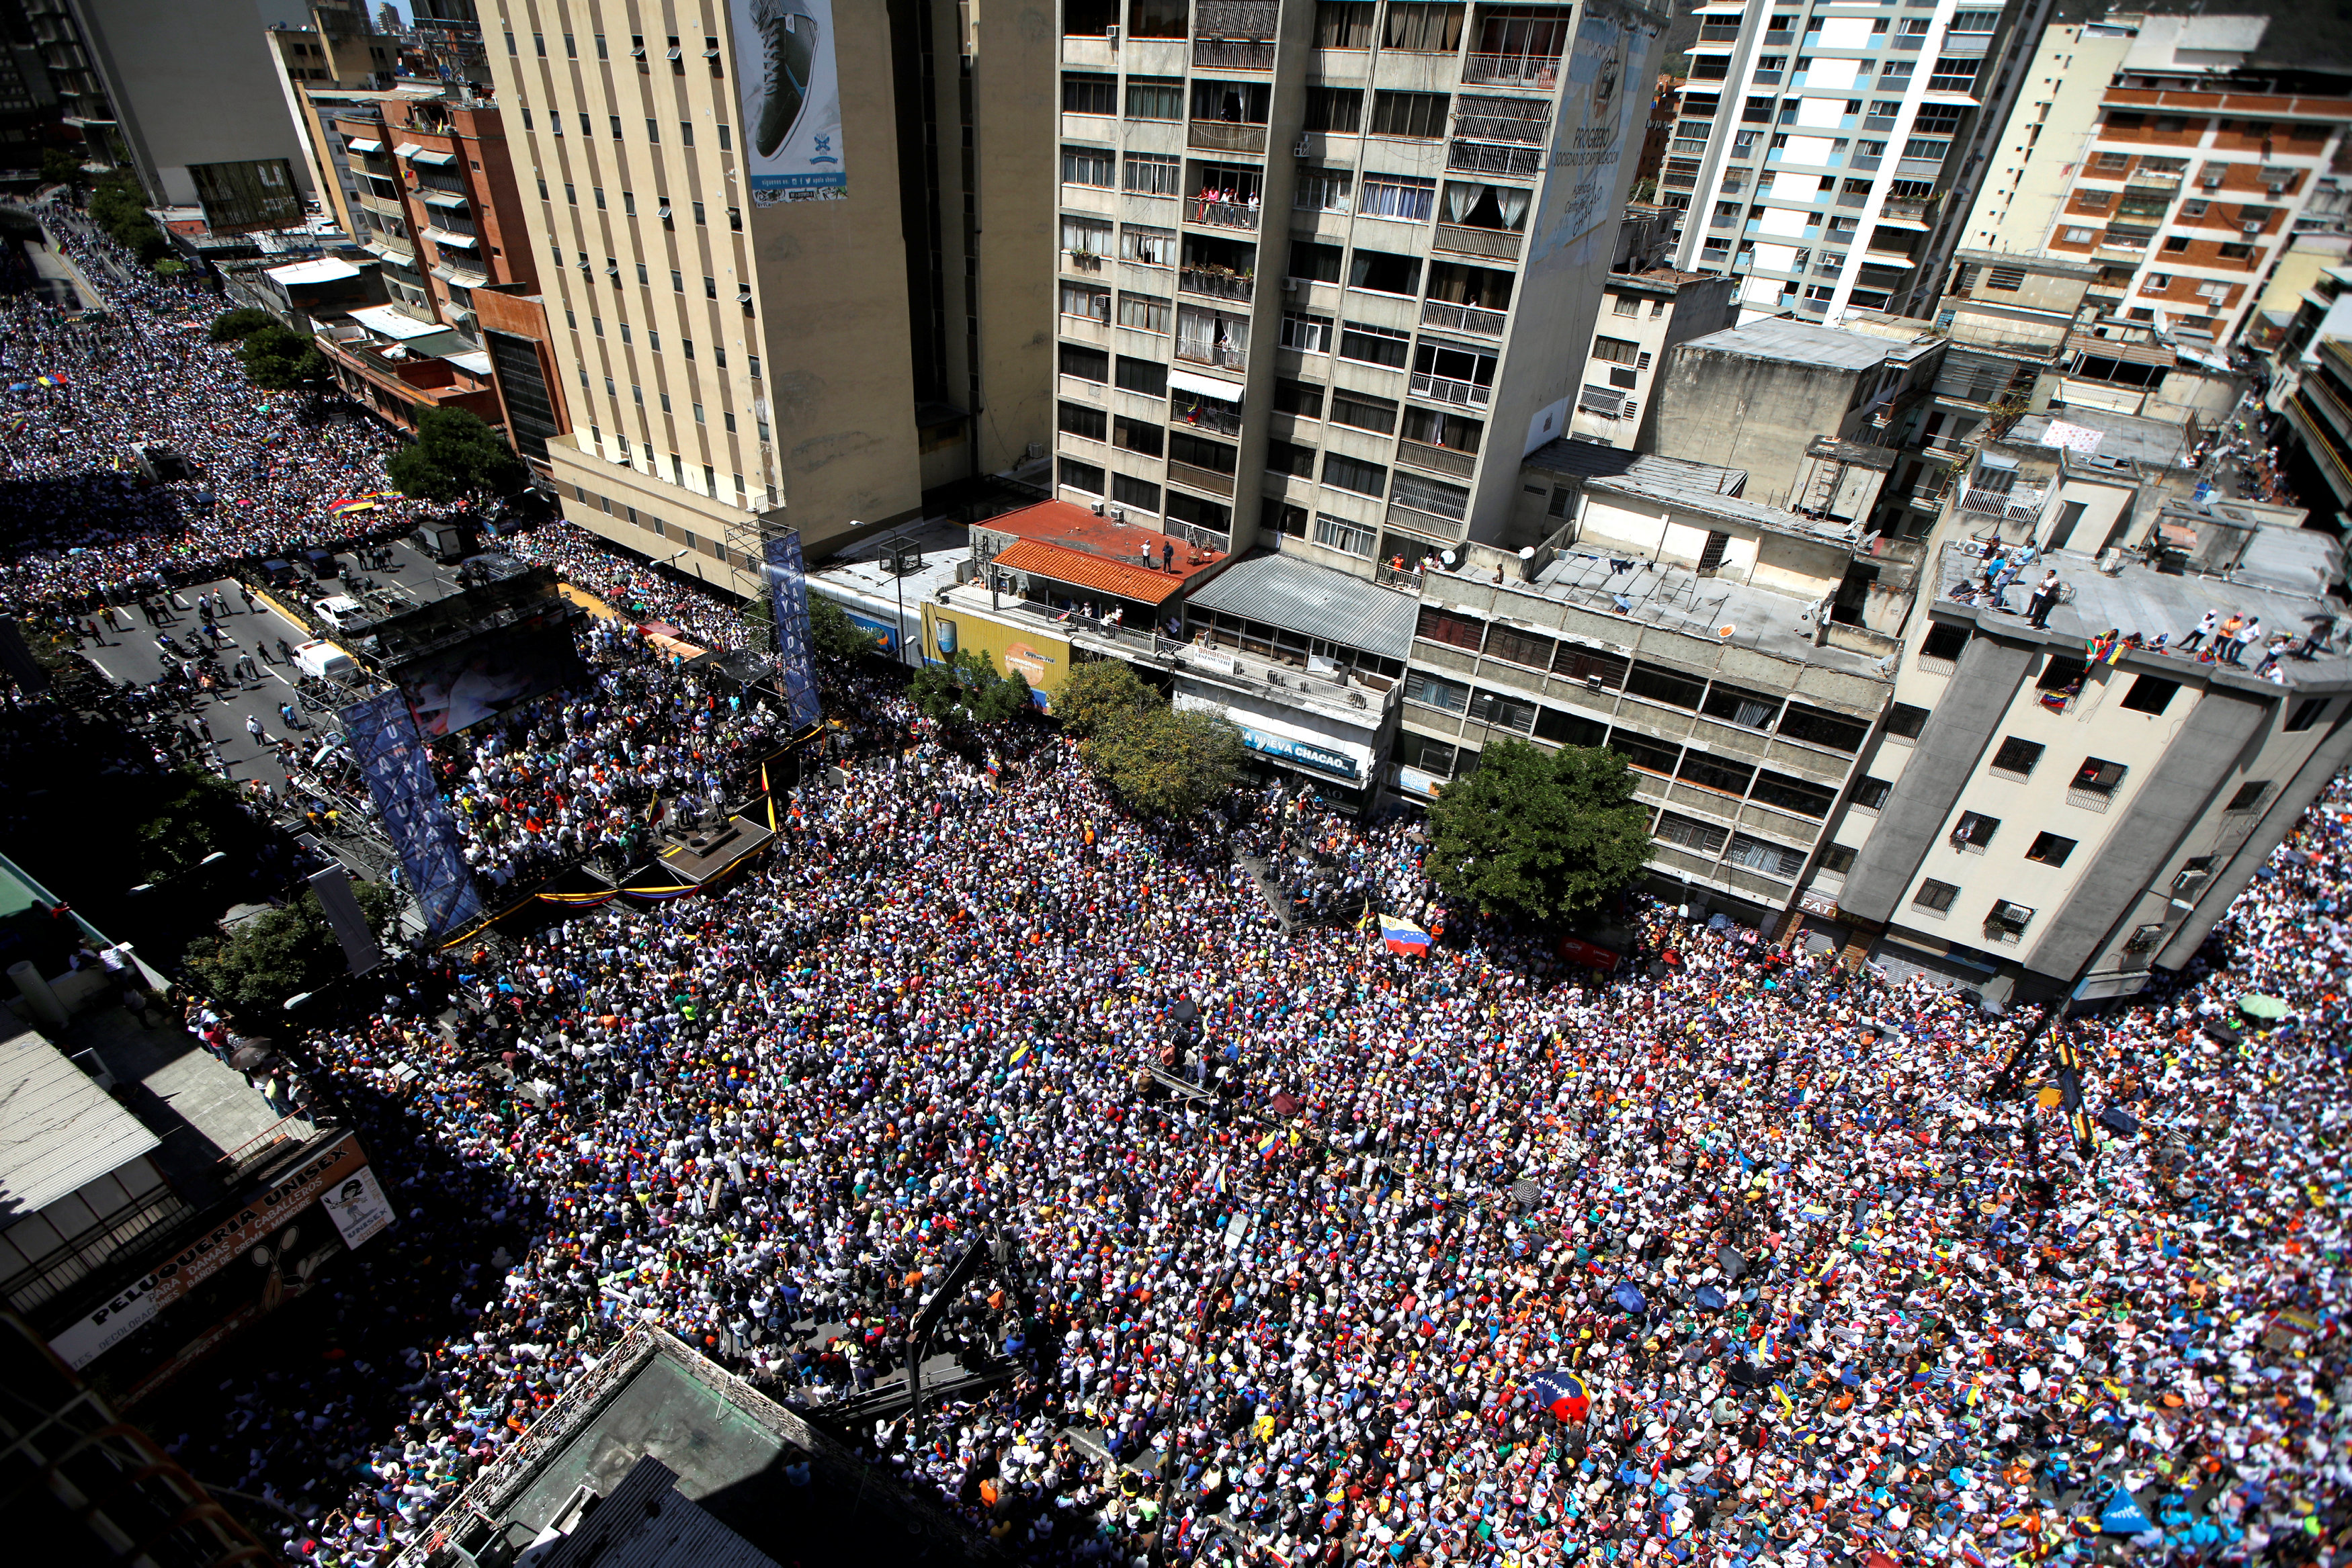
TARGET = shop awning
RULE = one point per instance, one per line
(1205, 386)
(364, 144)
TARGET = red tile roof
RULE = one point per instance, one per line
(1119, 579)
(1074, 526)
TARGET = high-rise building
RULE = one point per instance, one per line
(790, 254)
(2180, 155)
(1828, 155)
(1357, 384)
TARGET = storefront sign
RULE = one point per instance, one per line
(1300, 751)
(1819, 903)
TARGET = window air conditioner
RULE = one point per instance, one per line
(1290, 285)
(1298, 150)
(743, 298)
(1111, 35)
(2250, 228)
(2210, 182)
(2007, 918)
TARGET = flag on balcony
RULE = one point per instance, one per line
(1404, 936)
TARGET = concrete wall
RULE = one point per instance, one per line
(193, 81)
(1015, 97)
(1751, 413)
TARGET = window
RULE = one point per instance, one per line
(1869, 793)
(1624, 305)
(1353, 473)
(1837, 860)
(1691, 833)
(1140, 493)
(1421, 115)
(1086, 166)
(1289, 457)
(1148, 246)
(1136, 435)
(1302, 398)
(1907, 721)
(1321, 190)
(2307, 712)
(1936, 896)
(2017, 755)
(1503, 711)
(1359, 539)
(1346, 24)
(1155, 98)
(2097, 776)
(1085, 299)
(1616, 351)
(1372, 345)
(1081, 477)
(1314, 262)
(2079, 236)
(1087, 365)
(1664, 687)
(1564, 728)
(1454, 630)
(1423, 27)
(1083, 92)
(1597, 670)
(2150, 693)
(1363, 410)
(2058, 674)
(2248, 796)
(1735, 704)
(686, 133)
(1307, 334)
(1215, 456)
(1420, 687)
(1519, 647)
(1143, 312)
(1791, 794)
(1084, 235)
(2050, 848)
(1383, 272)
(1819, 726)
(1974, 22)
(1397, 196)
(1771, 859)
(1435, 496)
(1147, 174)
(1336, 111)
(1712, 772)
(1145, 376)
(1650, 756)
(1199, 512)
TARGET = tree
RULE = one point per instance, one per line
(62, 165)
(120, 207)
(1544, 840)
(279, 955)
(279, 358)
(237, 326)
(833, 635)
(455, 457)
(968, 690)
(198, 815)
(1102, 692)
(1164, 762)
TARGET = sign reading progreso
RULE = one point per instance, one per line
(137, 1305)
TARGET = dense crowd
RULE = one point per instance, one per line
(636, 589)
(1733, 1256)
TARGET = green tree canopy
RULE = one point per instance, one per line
(968, 690)
(1546, 840)
(1102, 692)
(279, 955)
(279, 358)
(833, 635)
(1164, 762)
(237, 326)
(120, 207)
(455, 457)
(62, 165)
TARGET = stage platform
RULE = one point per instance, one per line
(698, 857)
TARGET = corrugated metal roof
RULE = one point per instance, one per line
(1590, 460)
(1802, 342)
(1123, 579)
(647, 1524)
(58, 1130)
(1315, 601)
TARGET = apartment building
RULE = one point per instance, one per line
(2310, 392)
(790, 256)
(2046, 810)
(337, 50)
(1359, 384)
(2181, 155)
(1829, 151)
(1645, 317)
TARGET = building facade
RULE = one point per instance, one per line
(1645, 316)
(1315, 261)
(1827, 155)
(734, 346)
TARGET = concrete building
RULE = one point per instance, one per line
(2180, 154)
(822, 346)
(337, 178)
(1827, 156)
(2041, 815)
(184, 81)
(1360, 384)
(1685, 627)
(2310, 395)
(73, 79)
(337, 50)
(1645, 316)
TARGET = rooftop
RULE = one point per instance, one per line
(1802, 342)
(1101, 573)
(2102, 438)
(1590, 460)
(1658, 281)
(1315, 601)
(63, 1131)
(302, 272)
(2030, 261)
(1078, 528)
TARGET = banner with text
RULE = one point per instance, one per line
(790, 93)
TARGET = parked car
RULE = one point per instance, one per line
(342, 612)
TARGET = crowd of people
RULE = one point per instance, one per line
(636, 589)
(1735, 1256)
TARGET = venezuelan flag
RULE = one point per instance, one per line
(1020, 1054)
(1404, 936)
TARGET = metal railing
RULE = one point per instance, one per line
(1445, 389)
(1427, 523)
(1222, 215)
(1494, 158)
(1236, 18)
(1224, 359)
(1517, 70)
(1208, 479)
(1528, 129)
(1437, 459)
(1214, 285)
(1461, 318)
(1226, 136)
(1220, 421)
(1501, 243)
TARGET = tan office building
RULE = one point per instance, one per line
(789, 255)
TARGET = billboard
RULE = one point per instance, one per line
(399, 772)
(791, 95)
(250, 194)
(787, 573)
(458, 688)
(1601, 114)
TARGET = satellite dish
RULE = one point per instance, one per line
(1447, 557)
(1527, 553)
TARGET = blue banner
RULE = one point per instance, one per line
(795, 664)
(392, 755)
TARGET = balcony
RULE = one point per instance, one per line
(1203, 416)
(1919, 168)
(1211, 285)
(1779, 39)
(1232, 54)
(1426, 525)
(1541, 71)
(1906, 209)
(1445, 389)
(1222, 215)
(1224, 359)
(1499, 244)
(1462, 319)
(1236, 18)
(2152, 180)
(1488, 158)
(1206, 480)
(1437, 459)
(1226, 136)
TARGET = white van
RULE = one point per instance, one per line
(321, 658)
